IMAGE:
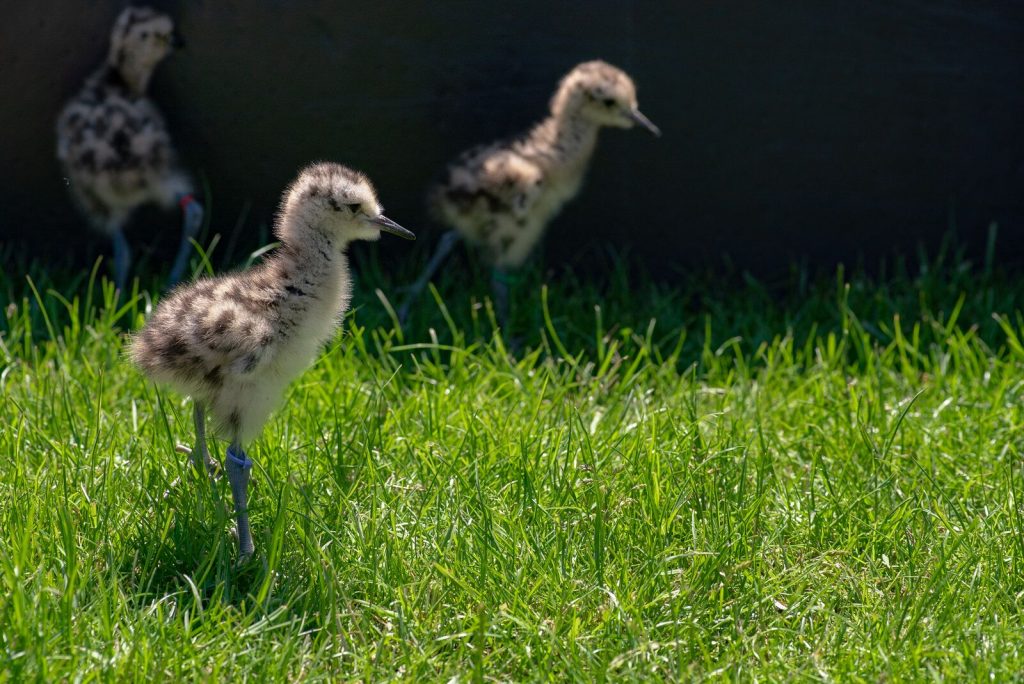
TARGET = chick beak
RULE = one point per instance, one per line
(177, 42)
(389, 226)
(639, 118)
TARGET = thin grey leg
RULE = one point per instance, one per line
(122, 259)
(500, 281)
(191, 221)
(201, 455)
(444, 248)
(239, 467)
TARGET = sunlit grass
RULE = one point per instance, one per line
(815, 479)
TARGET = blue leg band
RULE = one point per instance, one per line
(239, 457)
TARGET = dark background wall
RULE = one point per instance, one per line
(815, 129)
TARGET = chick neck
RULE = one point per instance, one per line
(569, 139)
(133, 72)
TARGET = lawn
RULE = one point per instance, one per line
(815, 479)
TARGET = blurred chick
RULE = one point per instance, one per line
(501, 197)
(113, 143)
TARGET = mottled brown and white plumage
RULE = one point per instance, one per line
(234, 342)
(113, 143)
(501, 197)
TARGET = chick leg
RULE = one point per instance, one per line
(122, 259)
(501, 282)
(191, 221)
(201, 455)
(239, 467)
(444, 248)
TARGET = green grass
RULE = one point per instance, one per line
(814, 479)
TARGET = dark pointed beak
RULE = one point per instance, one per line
(639, 118)
(177, 42)
(389, 226)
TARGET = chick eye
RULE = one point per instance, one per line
(609, 102)
(354, 207)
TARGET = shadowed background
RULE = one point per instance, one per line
(821, 131)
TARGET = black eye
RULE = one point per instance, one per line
(609, 102)
(354, 207)
(145, 35)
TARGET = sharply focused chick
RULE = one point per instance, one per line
(234, 343)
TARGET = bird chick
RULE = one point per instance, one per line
(233, 343)
(501, 197)
(113, 143)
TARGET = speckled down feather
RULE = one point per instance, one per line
(112, 142)
(502, 196)
(235, 342)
